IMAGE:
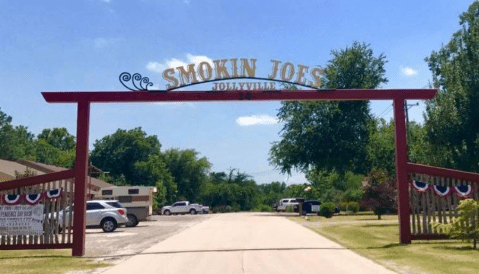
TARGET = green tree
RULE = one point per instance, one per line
(234, 189)
(381, 149)
(59, 138)
(189, 171)
(380, 193)
(118, 153)
(48, 154)
(271, 193)
(154, 172)
(15, 142)
(331, 136)
(466, 226)
(452, 118)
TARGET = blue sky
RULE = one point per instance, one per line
(85, 45)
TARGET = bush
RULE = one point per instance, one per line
(235, 208)
(343, 206)
(353, 207)
(221, 209)
(289, 208)
(263, 208)
(327, 209)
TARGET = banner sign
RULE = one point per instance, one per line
(21, 220)
(230, 69)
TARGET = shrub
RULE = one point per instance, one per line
(353, 207)
(234, 208)
(289, 208)
(327, 209)
(343, 206)
(380, 193)
(466, 226)
(221, 209)
(263, 208)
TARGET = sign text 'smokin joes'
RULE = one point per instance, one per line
(224, 69)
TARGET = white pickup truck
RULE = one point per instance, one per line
(182, 207)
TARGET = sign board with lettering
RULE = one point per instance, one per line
(230, 69)
(21, 220)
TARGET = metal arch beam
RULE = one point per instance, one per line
(237, 95)
(83, 99)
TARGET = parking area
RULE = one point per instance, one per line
(127, 241)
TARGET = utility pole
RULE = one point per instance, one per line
(406, 107)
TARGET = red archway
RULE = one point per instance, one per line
(84, 99)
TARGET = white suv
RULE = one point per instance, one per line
(107, 214)
(283, 203)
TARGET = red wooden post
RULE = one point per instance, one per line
(401, 171)
(81, 170)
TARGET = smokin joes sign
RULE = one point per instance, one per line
(229, 69)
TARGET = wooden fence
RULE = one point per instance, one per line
(427, 206)
(57, 220)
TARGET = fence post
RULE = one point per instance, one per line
(81, 170)
(401, 171)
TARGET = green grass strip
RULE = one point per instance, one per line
(44, 262)
(378, 240)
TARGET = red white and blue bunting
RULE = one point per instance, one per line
(464, 191)
(12, 199)
(53, 194)
(32, 199)
(420, 186)
(441, 191)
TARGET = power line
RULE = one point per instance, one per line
(386, 111)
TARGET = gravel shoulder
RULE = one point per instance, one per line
(125, 242)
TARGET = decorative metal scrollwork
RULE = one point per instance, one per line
(138, 83)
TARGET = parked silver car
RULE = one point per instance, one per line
(107, 214)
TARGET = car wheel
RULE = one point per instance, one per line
(192, 211)
(132, 221)
(108, 224)
(304, 213)
(166, 212)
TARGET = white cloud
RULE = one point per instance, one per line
(106, 1)
(257, 120)
(173, 62)
(409, 71)
(102, 42)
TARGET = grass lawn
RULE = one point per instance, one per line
(43, 261)
(378, 240)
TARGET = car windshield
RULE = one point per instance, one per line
(114, 204)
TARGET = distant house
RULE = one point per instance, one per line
(8, 168)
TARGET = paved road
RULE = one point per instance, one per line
(247, 243)
(126, 241)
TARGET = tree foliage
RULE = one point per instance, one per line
(189, 171)
(331, 136)
(466, 226)
(15, 142)
(154, 172)
(237, 190)
(452, 118)
(380, 193)
(58, 138)
(118, 153)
